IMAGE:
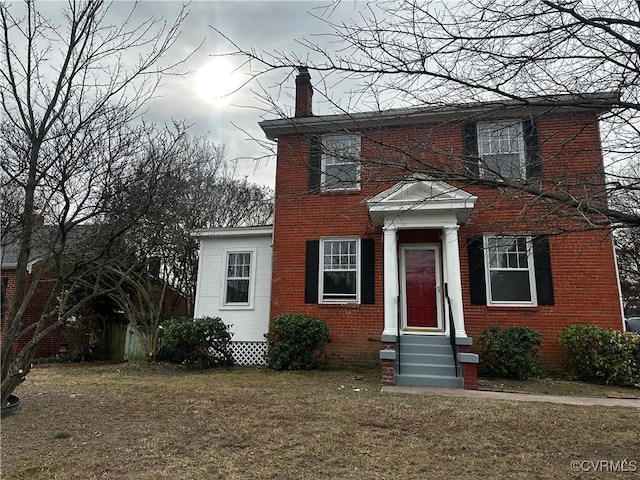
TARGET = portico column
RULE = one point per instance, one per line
(390, 285)
(452, 271)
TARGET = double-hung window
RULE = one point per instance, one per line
(510, 270)
(501, 150)
(237, 286)
(340, 165)
(339, 270)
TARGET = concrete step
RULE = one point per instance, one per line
(429, 381)
(424, 340)
(427, 370)
(435, 349)
(427, 359)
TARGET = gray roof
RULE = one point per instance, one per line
(534, 106)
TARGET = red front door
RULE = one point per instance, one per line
(420, 282)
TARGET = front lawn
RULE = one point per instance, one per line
(159, 422)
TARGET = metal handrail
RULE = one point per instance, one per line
(398, 327)
(452, 330)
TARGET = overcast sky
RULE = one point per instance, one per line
(263, 25)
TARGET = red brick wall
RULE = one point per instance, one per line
(49, 345)
(585, 284)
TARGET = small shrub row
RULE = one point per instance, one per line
(197, 343)
(294, 341)
(509, 353)
(600, 355)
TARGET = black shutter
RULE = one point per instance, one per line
(470, 149)
(315, 157)
(532, 148)
(477, 282)
(312, 264)
(542, 263)
(367, 277)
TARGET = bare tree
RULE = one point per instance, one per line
(628, 253)
(69, 104)
(541, 55)
(204, 192)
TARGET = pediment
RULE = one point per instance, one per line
(420, 194)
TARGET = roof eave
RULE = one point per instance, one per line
(233, 232)
(598, 102)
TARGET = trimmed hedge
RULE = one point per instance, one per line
(294, 341)
(601, 355)
(198, 343)
(509, 353)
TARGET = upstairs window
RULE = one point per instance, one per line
(340, 167)
(501, 150)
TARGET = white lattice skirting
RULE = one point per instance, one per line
(249, 353)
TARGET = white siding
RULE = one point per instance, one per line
(249, 324)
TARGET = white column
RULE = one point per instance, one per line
(390, 245)
(452, 277)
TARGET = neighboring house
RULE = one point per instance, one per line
(234, 283)
(368, 237)
(60, 340)
(53, 343)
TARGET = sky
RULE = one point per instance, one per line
(215, 96)
(200, 99)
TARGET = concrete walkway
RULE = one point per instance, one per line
(518, 397)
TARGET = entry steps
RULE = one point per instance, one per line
(427, 361)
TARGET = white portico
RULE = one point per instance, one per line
(415, 271)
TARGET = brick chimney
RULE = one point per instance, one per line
(304, 93)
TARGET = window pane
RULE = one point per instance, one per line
(502, 165)
(238, 277)
(341, 283)
(511, 286)
(237, 291)
(340, 162)
(500, 148)
(341, 176)
(339, 270)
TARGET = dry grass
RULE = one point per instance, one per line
(155, 422)
(555, 386)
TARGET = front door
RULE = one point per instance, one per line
(421, 292)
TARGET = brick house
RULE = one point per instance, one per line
(385, 229)
(57, 340)
(60, 339)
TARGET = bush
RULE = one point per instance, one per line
(600, 355)
(294, 340)
(200, 343)
(509, 353)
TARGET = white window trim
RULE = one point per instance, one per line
(480, 127)
(532, 272)
(321, 270)
(249, 305)
(323, 165)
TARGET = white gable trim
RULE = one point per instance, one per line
(422, 195)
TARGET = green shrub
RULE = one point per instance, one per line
(600, 355)
(200, 343)
(509, 353)
(294, 340)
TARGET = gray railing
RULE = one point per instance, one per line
(452, 330)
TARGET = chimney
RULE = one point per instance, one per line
(304, 93)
